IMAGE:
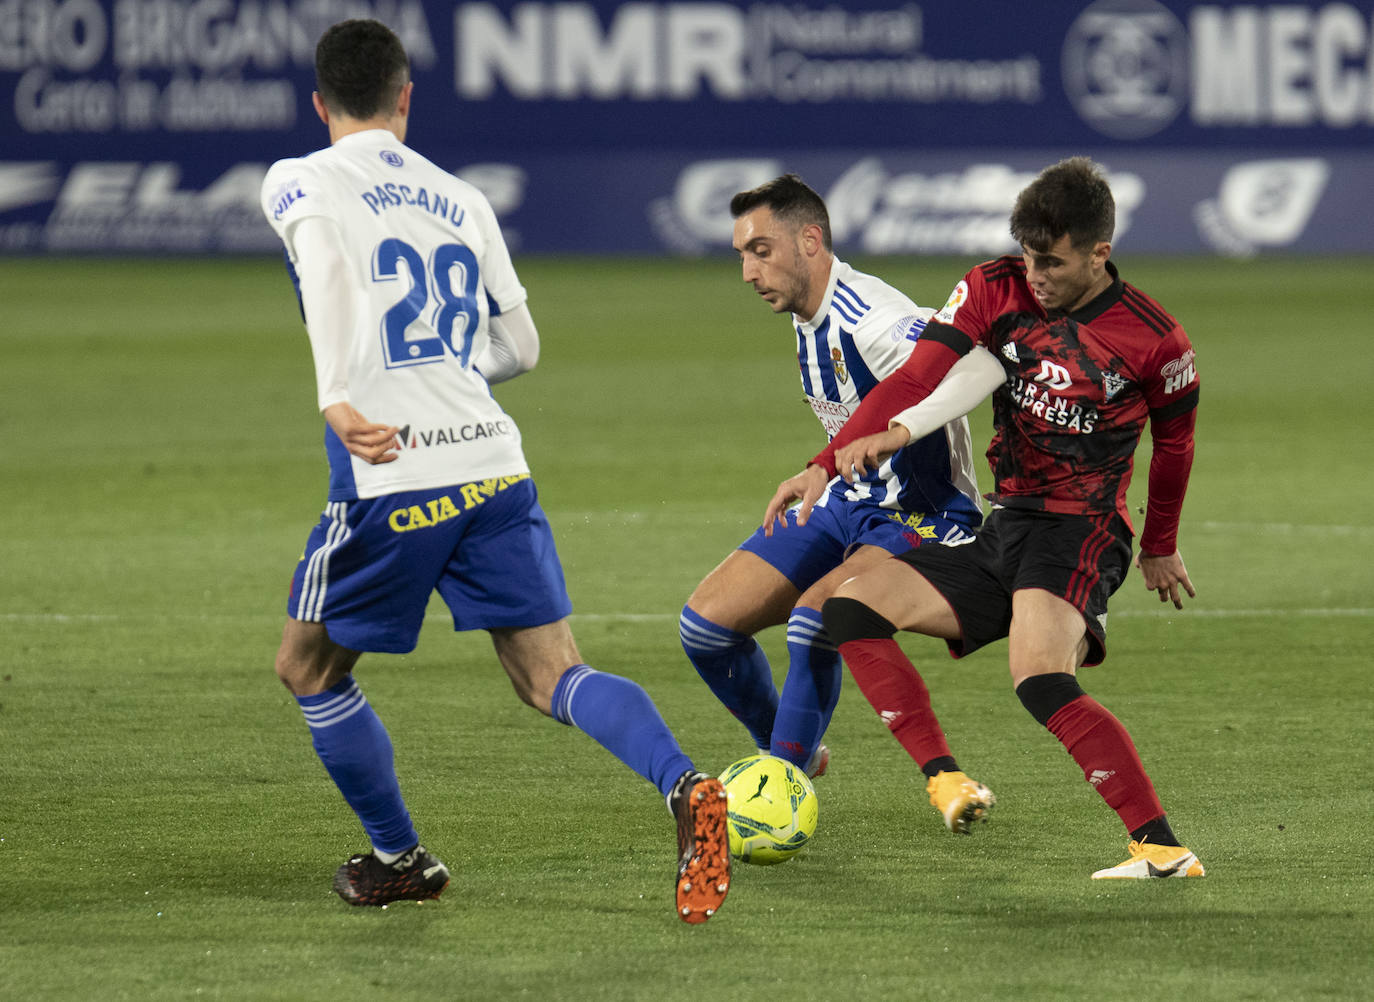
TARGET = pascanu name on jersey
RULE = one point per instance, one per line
(392, 195)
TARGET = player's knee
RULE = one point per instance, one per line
(306, 676)
(308, 662)
(849, 619)
(284, 668)
(294, 670)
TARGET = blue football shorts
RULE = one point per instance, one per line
(370, 565)
(805, 554)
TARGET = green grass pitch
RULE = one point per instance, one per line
(167, 833)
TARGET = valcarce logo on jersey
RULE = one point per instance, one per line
(417, 438)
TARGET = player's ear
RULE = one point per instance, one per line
(812, 239)
(403, 102)
(320, 108)
(1101, 251)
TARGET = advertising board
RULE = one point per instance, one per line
(603, 127)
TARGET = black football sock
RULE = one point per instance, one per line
(945, 763)
(1156, 832)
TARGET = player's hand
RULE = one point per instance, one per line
(852, 461)
(372, 443)
(1165, 574)
(808, 485)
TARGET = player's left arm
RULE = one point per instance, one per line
(512, 347)
(1172, 394)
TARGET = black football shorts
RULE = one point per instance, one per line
(1081, 558)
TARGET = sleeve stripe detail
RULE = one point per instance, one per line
(1003, 268)
(1147, 310)
(851, 296)
(949, 336)
(1182, 405)
(804, 361)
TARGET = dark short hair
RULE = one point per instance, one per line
(1071, 197)
(791, 200)
(360, 68)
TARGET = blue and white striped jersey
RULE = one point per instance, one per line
(863, 331)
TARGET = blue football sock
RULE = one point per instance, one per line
(735, 669)
(355, 748)
(810, 691)
(620, 717)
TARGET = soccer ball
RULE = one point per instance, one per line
(772, 809)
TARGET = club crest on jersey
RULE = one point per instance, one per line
(837, 363)
(391, 158)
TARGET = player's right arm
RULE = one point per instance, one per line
(330, 304)
(966, 385)
(297, 209)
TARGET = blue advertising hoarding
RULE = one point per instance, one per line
(146, 125)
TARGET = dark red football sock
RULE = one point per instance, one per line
(891, 683)
(1103, 749)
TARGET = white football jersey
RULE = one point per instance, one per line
(862, 333)
(427, 267)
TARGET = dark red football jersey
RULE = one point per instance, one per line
(1080, 386)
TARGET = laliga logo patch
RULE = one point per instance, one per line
(957, 298)
(390, 158)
